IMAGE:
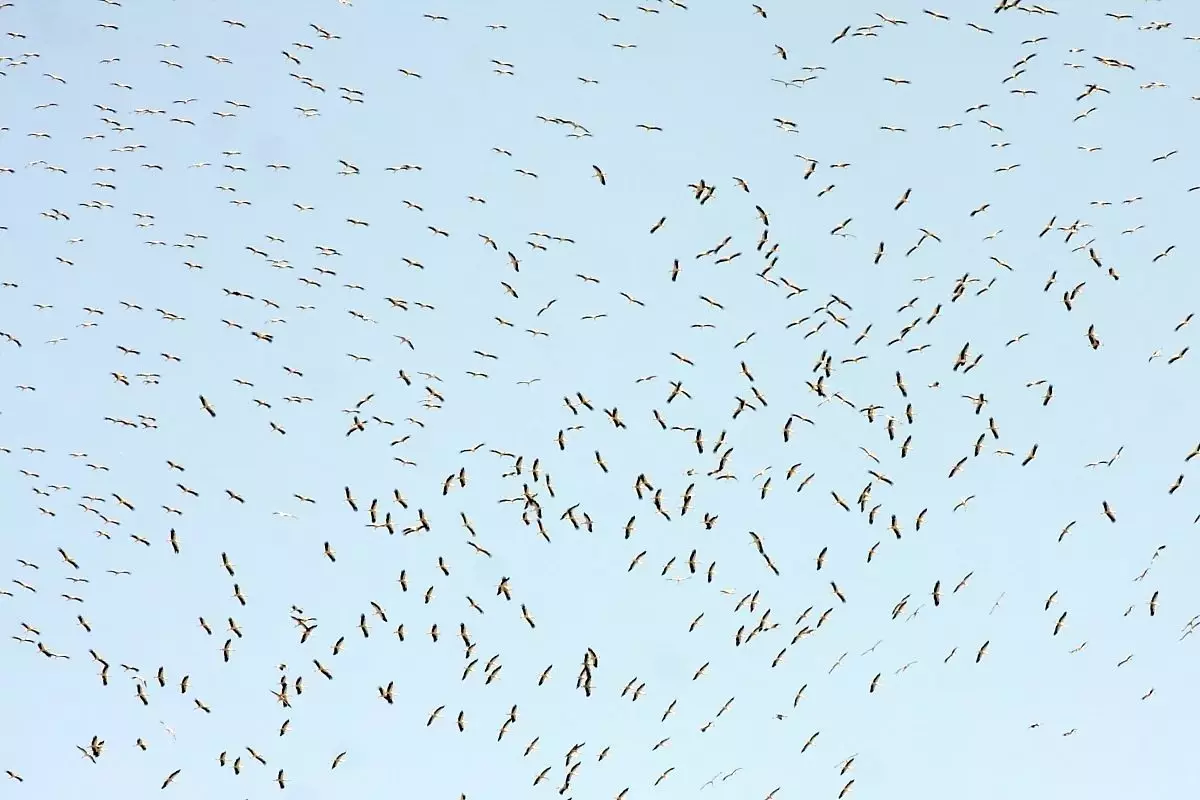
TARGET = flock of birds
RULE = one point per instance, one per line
(690, 469)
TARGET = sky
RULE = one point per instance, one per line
(386, 357)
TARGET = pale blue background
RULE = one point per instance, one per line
(703, 75)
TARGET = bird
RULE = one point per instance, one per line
(547, 460)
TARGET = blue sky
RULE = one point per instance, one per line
(165, 234)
